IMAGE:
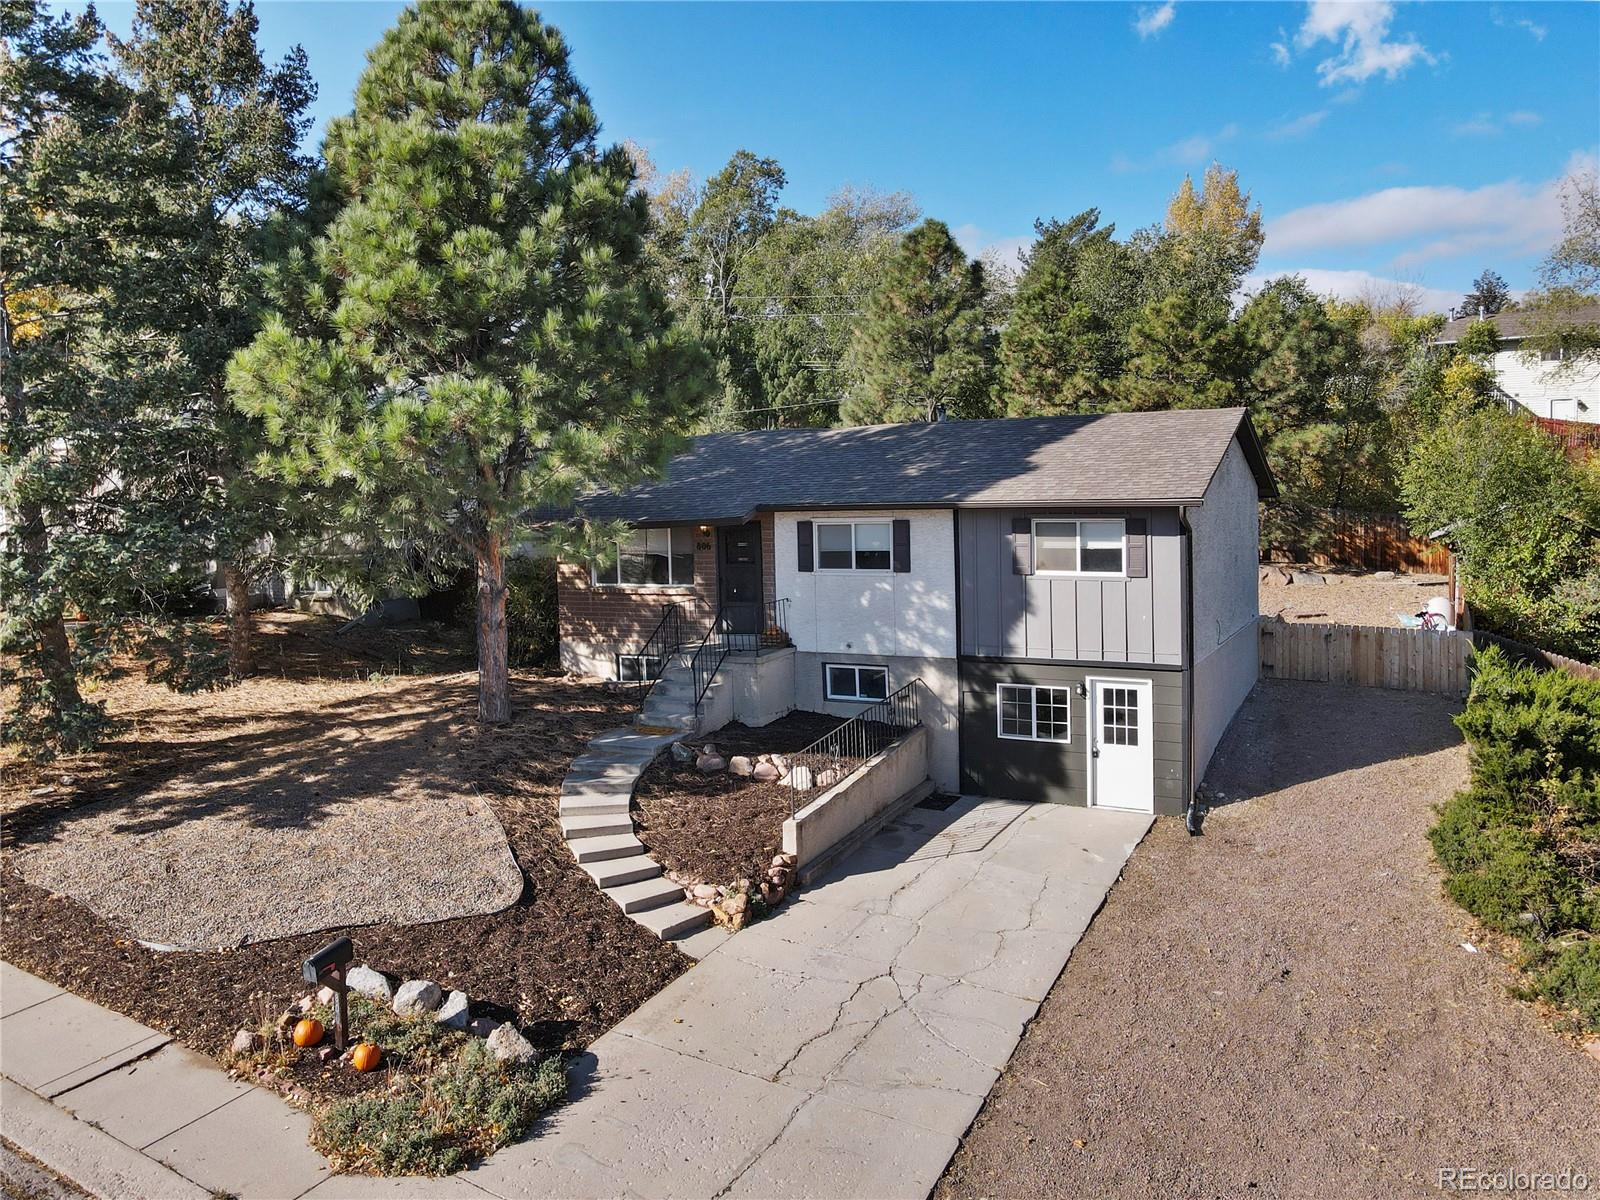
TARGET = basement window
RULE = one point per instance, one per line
(845, 681)
(1034, 714)
(637, 668)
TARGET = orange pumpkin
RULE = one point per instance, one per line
(365, 1057)
(308, 1032)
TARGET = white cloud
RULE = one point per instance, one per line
(1360, 28)
(1298, 127)
(1535, 30)
(1280, 49)
(1362, 285)
(1152, 21)
(1489, 125)
(1511, 215)
(1192, 151)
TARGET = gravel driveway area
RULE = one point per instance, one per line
(1283, 1007)
(1350, 599)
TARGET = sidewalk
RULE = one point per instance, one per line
(840, 1048)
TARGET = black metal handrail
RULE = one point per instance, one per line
(662, 644)
(834, 755)
(752, 625)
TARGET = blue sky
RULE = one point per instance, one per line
(1411, 142)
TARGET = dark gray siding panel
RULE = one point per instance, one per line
(1053, 771)
(1007, 615)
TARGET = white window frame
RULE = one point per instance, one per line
(1033, 691)
(827, 682)
(615, 567)
(1078, 523)
(852, 569)
(640, 659)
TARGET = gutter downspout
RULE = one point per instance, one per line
(1192, 815)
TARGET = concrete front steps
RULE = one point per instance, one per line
(595, 797)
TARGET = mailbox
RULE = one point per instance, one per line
(325, 968)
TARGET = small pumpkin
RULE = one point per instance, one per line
(308, 1032)
(365, 1056)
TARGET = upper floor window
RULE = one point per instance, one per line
(650, 558)
(1553, 354)
(854, 545)
(1079, 548)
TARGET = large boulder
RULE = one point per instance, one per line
(765, 772)
(453, 1012)
(740, 765)
(364, 981)
(710, 764)
(417, 998)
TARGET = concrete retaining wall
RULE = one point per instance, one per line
(849, 804)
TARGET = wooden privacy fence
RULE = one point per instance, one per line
(1369, 541)
(1415, 660)
(1545, 660)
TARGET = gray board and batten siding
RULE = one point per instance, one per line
(1006, 613)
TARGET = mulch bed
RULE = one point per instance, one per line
(562, 962)
(723, 827)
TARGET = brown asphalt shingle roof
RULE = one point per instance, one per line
(1129, 459)
(1514, 324)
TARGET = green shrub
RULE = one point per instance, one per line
(532, 621)
(449, 1101)
(1569, 978)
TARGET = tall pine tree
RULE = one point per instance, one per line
(475, 335)
(922, 346)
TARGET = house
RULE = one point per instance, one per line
(1552, 387)
(1076, 595)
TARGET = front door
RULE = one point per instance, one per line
(1121, 761)
(739, 576)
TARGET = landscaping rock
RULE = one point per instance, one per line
(482, 1026)
(736, 904)
(799, 779)
(1301, 578)
(682, 752)
(781, 763)
(828, 778)
(704, 893)
(1384, 575)
(710, 751)
(327, 996)
(305, 1004)
(740, 765)
(508, 1045)
(785, 860)
(765, 772)
(326, 1053)
(372, 984)
(417, 997)
(772, 893)
(246, 1041)
(453, 1012)
(710, 764)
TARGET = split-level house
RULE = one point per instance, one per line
(1073, 598)
(1554, 385)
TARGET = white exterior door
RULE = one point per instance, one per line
(1121, 758)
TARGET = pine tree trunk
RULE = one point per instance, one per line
(241, 621)
(494, 684)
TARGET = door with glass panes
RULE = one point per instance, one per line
(1121, 757)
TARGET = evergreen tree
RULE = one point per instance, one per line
(922, 344)
(476, 335)
(1489, 295)
(1182, 353)
(215, 132)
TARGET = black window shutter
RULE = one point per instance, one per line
(902, 547)
(1138, 548)
(1021, 546)
(802, 531)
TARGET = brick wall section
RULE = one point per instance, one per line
(626, 616)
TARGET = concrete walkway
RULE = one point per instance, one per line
(838, 1049)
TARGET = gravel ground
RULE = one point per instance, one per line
(1284, 1007)
(562, 961)
(1348, 599)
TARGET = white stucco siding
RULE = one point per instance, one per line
(873, 612)
(1567, 393)
(1227, 533)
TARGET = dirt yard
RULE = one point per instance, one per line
(1350, 599)
(1284, 1007)
(330, 717)
(720, 828)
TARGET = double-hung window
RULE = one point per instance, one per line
(1097, 548)
(1035, 714)
(650, 558)
(854, 545)
(849, 682)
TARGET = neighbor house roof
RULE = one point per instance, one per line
(1126, 459)
(1517, 324)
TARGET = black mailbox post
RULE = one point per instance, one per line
(325, 968)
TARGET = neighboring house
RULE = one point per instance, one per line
(1077, 594)
(1550, 387)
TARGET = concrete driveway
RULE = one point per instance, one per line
(841, 1048)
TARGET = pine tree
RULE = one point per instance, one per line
(476, 335)
(1489, 296)
(923, 345)
(1182, 354)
